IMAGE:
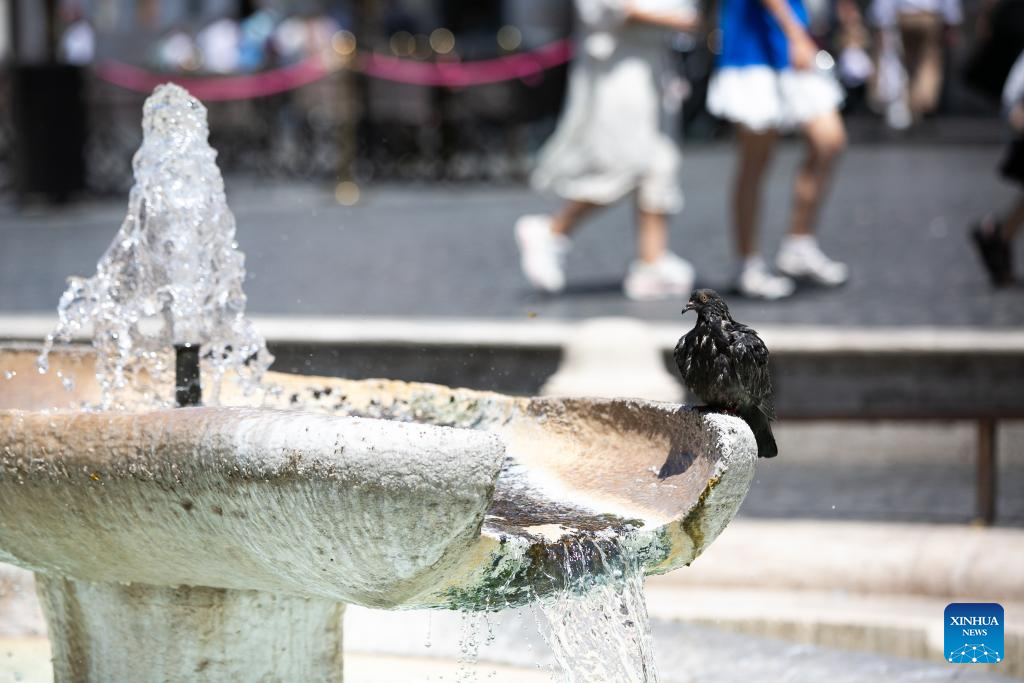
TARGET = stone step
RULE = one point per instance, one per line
(896, 625)
(424, 646)
(822, 372)
(956, 563)
(27, 660)
(878, 588)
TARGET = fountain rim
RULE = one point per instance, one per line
(684, 537)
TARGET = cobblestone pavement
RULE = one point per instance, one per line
(899, 215)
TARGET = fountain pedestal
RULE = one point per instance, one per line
(138, 632)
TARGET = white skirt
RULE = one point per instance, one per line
(616, 133)
(761, 98)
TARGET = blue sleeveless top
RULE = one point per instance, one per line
(750, 36)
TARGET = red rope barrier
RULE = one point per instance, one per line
(462, 74)
(453, 74)
(217, 88)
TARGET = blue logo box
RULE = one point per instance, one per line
(974, 633)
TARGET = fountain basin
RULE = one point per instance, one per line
(454, 499)
(223, 542)
(167, 542)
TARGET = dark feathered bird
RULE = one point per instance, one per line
(725, 364)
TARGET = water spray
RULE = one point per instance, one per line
(174, 260)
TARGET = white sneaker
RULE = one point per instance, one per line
(898, 115)
(800, 257)
(670, 276)
(757, 282)
(541, 253)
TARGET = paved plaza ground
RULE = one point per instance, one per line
(899, 216)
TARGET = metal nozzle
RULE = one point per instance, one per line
(188, 389)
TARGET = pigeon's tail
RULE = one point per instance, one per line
(762, 428)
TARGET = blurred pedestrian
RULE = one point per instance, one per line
(78, 41)
(922, 29)
(219, 43)
(998, 41)
(176, 51)
(616, 137)
(770, 77)
(852, 40)
(994, 236)
(888, 85)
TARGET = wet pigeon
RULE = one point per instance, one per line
(725, 364)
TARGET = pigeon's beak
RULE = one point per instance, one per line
(689, 307)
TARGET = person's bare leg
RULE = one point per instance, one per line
(799, 255)
(753, 278)
(652, 275)
(925, 56)
(568, 219)
(543, 242)
(1013, 221)
(994, 238)
(651, 236)
(826, 139)
(912, 42)
(755, 153)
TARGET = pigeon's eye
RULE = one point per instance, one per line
(703, 298)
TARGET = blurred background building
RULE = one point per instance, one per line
(298, 102)
(338, 89)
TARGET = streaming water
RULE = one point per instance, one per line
(597, 625)
(173, 273)
(470, 637)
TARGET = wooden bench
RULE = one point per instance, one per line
(907, 375)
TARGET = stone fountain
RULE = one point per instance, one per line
(222, 542)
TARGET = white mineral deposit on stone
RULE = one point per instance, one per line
(173, 273)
